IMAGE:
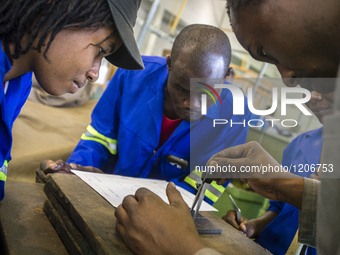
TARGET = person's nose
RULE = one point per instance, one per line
(193, 103)
(93, 73)
(289, 76)
(315, 96)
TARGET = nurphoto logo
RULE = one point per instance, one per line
(238, 104)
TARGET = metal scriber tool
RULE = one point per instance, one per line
(238, 210)
(199, 196)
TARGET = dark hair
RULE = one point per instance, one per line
(202, 40)
(38, 19)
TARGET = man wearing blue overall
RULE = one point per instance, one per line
(142, 124)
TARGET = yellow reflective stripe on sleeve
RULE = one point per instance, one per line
(190, 181)
(213, 192)
(211, 196)
(3, 171)
(85, 137)
(198, 173)
(208, 193)
(3, 177)
(94, 135)
(220, 188)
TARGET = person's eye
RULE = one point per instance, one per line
(263, 56)
(181, 90)
(262, 53)
(101, 51)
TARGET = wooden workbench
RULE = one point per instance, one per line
(24, 227)
(86, 221)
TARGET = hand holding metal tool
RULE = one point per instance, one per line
(238, 210)
(202, 187)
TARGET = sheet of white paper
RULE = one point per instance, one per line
(115, 187)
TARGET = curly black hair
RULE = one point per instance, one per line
(39, 19)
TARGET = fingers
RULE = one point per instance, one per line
(225, 168)
(40, 176)
(315, 177)
(48, 164)
(245, 161)
(123, 211)
(121, 214)
(231, 160)
(76, 167)
(237, 151)
(230, 218)
(121, 230)
(243, 228)
(94, 170)
(60, 162)
(174, 196)
(142, 193)
(232, 152)
(130, 204)
(86, 168)
(122, 217)
(222, 181)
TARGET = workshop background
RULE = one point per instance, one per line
(52, 131)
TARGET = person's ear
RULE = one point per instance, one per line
(168, 62)
(229, 71)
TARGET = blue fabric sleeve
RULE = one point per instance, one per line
(2, 190)
(288, 155)
(105, 120)
(275, 206)
(237, 134)
(192, 190)
(27, 80)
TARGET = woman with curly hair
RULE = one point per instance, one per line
(62, 43)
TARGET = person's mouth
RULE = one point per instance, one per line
(305, 83)
(77, 85)
(322, 111)
(321, 85)
(191, 114)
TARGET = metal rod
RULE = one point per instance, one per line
(174, 25)
(147, 23)
(162, 34)
(258, 81)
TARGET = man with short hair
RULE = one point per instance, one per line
(276, 228)
(302, 39)
(145, 122)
